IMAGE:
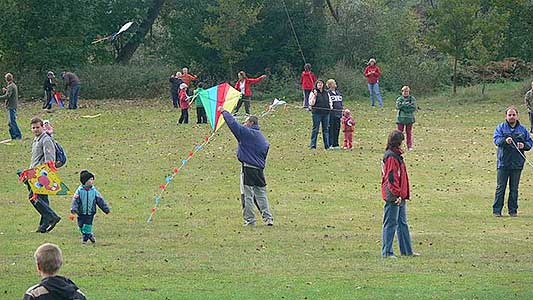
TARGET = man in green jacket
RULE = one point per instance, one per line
(11, 96)
(406, 105)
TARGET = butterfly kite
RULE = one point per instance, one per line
(113, 36)
(212, 98)
(44, 180)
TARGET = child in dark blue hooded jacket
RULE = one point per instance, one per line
(84, 203)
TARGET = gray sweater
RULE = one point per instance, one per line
(42, 150)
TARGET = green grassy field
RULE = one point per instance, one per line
(327, 207)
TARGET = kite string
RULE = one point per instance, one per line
(176, 171)
(516, 146)
(294, 31)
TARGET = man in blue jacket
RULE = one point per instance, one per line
(252, 153)
(512, 140)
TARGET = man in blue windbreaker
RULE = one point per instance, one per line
(252, 153)
(512, 140)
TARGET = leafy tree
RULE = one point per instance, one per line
(233, 19)
(453, 29)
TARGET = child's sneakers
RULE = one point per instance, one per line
(92, 239)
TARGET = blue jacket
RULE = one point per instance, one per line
(86, 199)
(253, 146)
(508, 155)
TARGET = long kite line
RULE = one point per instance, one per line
(175, 172)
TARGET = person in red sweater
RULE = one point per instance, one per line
(395, 192)
(372, 74)
(184, 104)
(243, 85)
(307, 80)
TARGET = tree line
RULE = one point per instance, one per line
(422, 43)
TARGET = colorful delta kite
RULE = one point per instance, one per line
(221, 95)
(44, 180)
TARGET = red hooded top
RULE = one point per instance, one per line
(308, 80)
(184, 104)
(187, 78)
(372, 74)
(247, 83)
(394, 175)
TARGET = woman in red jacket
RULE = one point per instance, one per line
(243, 85)
(307, 80)
(395, 192)
(372, 74)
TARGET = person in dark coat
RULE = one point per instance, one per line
(321, 106)
(49, 87)
(49, 259)
(512, 140)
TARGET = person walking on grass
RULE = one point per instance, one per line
(528, 99)
(406, 106)
(11, 96)
(512, 140)
(84, 203)
(321, 107)
(42, 151)
(72, 82)
(243, 85)
(49, 259)
(335, 97)
(395, 193)
(372, 74)
(252, 153)
(307, 79)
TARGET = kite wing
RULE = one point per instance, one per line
(124, 28)
(212, 98)
(114, 35)
(44, 180)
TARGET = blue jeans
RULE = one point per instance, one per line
(373, 88)
(317, 119)
(504, 176)
(73, 97)
(14, 130)
(395, 220)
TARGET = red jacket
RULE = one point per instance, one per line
(394, 175)
(187, 78)
(348, 124)
(372, 74)
(308, 80)
(247, 83)
(184, 104)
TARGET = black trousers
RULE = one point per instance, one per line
(42, 206)
(184, 118)
(201, 116)
(334, 129)
(504, 176)
(246, 100)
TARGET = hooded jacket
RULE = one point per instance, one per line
(394, 179)
(308, 80)
(253, 146)
(247, 83)
(507, 155)
(85, 200)
(54, 288)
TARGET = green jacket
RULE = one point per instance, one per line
(11, 96)
(406, 110)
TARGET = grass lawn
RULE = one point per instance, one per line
(327, 207)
